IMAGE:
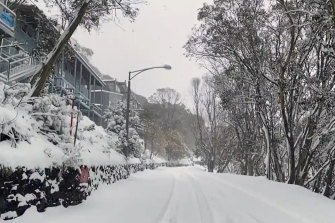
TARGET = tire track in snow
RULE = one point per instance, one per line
(202, 199)
(168, 205)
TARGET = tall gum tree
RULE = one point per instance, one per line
(87, 13)
(282, 57)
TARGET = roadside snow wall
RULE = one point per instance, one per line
(39, 163)
(49, 187)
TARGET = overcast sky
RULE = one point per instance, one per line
(155, 38)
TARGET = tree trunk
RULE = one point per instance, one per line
(328, 180)
(291, 164)
(268, 152)
(333, 6)
(277, 167)
(41, 76)
(288, 134)
(251, 171)
(152, 148)
(210, 165)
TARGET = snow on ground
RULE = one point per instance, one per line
(97, 147)
(185, 161)
(190, 195)
(157, 159)
(33, 153)
(134, 160)
(36, 133)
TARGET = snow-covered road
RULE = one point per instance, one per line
(190, 195)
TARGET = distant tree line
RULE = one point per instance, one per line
(167, 125)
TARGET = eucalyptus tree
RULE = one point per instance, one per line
(229, 36)
(89, 14)
(210, 131)
(277, 58)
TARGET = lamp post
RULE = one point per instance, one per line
(132, 75)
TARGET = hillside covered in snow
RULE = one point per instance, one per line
(35, 133)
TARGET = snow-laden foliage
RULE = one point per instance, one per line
(23, 188)
(97, 11)
(10, 128)
(116, 126)
(36, 132)
(272, 64)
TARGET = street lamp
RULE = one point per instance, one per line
(132, 75)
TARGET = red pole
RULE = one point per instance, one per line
(71, 123)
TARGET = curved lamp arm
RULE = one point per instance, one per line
(137, 72)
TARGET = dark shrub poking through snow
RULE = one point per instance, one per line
(22, 188)
(40, 165)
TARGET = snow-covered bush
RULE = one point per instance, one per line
(116, 125)
(33, 126)
(96, 146)
(11, 120)
(39, 129)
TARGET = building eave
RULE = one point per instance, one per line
(88, 66)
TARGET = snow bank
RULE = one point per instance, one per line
(153, 160)
(31, 155)
(185, 162)
(94, 148)
(97, 147)
(148, 158)
(158, 160)
(134, 160)
(36, 150)
(35, 133)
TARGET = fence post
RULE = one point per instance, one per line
(8, 73)
(76, 132)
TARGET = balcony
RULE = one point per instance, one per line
(7, 20)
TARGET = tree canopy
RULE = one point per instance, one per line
(271, 64)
